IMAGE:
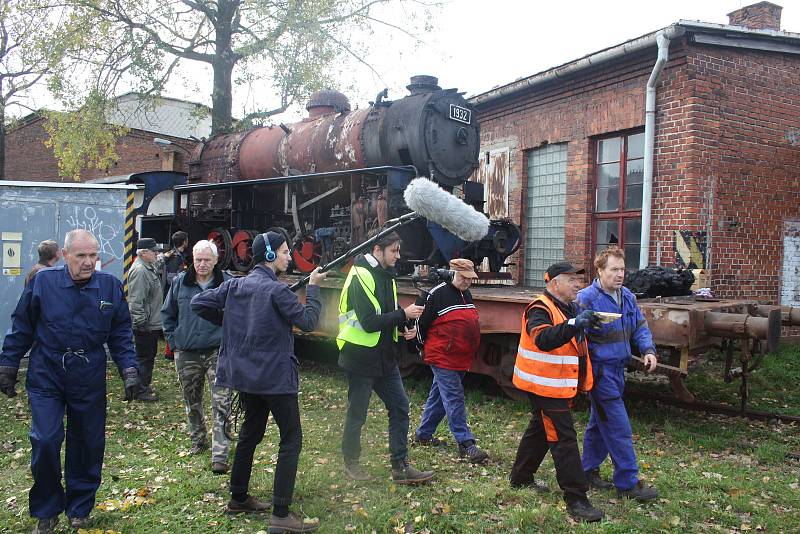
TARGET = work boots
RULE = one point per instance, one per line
(640, 492)
(46, 526)
(77, 523)
(597, 482)
(580, 509)
(355, 472)
(405, 473)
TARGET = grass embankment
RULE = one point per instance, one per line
(714, 473)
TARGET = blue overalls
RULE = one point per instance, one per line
(65, 328)
(608, 432)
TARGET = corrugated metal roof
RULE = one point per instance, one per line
(167, 116)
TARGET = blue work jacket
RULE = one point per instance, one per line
(611, 343)
(66, 325)
(257, 351)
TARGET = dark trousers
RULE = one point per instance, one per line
(77, 389)
(551, 427)
(390, 390)
(285, 411)
(146, 348)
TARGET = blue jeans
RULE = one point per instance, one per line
(446, 398)
(390, 390)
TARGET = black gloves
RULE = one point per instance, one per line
(587, 319)
(130, 376)
(8, 379)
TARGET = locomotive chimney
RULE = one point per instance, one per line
(423, 84)
(325, 102)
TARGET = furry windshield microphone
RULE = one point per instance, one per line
(437, 205)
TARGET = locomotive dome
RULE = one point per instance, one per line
(328, 98)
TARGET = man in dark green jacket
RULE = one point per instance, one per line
(369, 325)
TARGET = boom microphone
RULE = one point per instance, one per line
(437, 205)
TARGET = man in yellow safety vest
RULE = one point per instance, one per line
(370, 323)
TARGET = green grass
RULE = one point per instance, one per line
(713, 473)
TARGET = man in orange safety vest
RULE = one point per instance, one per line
(552, 366)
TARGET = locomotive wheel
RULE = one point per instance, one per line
(242, 250)
(307, 254)
(221, 237)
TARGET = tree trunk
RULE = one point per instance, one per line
(224, 60)
(2, 139)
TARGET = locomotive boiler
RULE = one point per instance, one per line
(331, 178)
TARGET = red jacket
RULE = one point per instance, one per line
(448, 329)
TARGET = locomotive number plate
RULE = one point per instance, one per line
(457, 113)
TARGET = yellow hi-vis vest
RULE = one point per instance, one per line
(350, 329)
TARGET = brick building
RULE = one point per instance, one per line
(570, 149)
(28, 159)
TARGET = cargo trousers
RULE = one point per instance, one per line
(193, 368)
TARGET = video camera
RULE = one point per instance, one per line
(435, 276)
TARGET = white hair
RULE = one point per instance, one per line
(205, 244)
(72, 235)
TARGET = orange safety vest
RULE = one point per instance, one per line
(550, 373)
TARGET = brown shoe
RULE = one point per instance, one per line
(251, 505)
(291, 523)
(408, 474)
(219, 468)
(356, 472)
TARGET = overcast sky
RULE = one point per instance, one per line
(484, 43)
(480, 44)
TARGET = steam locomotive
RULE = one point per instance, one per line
(328, 180)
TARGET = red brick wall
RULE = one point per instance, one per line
(753, 104)
(596, 102)
(28, 159)
(727, 153)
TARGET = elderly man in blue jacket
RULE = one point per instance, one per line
(609, 430)
(257, 359)
(64, 317)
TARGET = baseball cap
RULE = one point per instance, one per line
(560, 268)
(464, 266)
(146, 243)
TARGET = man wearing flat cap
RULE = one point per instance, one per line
(450, 335)
(257, 359)
(552, 366)
(145, 298)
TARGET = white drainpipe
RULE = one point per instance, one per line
(649, 141)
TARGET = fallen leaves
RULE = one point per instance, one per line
(132, 498)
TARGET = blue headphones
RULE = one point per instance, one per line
(270, 254)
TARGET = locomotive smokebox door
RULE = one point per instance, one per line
(451, 136)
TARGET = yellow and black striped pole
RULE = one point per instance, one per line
(130, 218)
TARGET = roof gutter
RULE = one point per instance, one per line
(591, 60)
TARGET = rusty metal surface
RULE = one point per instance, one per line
(216, 160)
(494, 175)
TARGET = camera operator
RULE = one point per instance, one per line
(449, 332)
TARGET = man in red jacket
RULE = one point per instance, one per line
(450, 335)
